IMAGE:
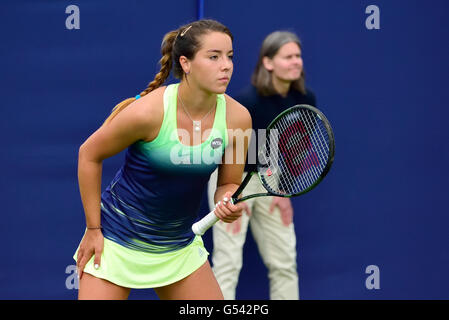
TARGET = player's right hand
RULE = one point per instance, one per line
(91, 244)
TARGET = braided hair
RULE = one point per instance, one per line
(185, 41)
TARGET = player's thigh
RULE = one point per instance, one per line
(200, 285)
(93, 288)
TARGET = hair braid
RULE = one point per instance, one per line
(165, 62)
(185, 41)
(159, 79)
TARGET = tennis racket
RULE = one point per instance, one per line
(295, 157)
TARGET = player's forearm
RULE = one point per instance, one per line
(221, 190)
(89, 180)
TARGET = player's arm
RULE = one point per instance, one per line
(138, 121)
(231, 170)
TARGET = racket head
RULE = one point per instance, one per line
(298, 151)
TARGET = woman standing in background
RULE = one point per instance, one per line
(278, 83)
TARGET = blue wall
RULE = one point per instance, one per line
(384, 202)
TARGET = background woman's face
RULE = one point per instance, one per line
(287, 64)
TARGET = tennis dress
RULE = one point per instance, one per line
(149, 207)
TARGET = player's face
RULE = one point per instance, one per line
(212, 65)
(286, 65)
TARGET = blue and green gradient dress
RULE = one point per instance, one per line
(149, 207)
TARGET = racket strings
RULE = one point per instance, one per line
(296, 152)
(300, 163)
(311, 159)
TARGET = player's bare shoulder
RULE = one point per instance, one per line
(149, 112)
(151, 106)
(237, 116)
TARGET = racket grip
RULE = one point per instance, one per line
(200, 227)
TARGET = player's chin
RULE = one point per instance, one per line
(220, 89)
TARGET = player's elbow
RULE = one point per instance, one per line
(245, 119)
(82, 153)
(85, 154)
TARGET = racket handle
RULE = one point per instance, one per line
(200, 227)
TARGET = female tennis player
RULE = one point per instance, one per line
(138, 232)
(278, 83)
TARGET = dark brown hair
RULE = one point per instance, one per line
(185, 41)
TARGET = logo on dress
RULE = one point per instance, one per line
(216, 143)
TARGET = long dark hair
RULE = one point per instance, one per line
(184, 41)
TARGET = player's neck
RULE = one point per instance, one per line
(197, 101)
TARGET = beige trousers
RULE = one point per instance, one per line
(276, 243)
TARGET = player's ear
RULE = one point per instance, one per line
(185, 64)
(267, 63)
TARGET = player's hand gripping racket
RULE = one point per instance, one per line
(297, 154)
